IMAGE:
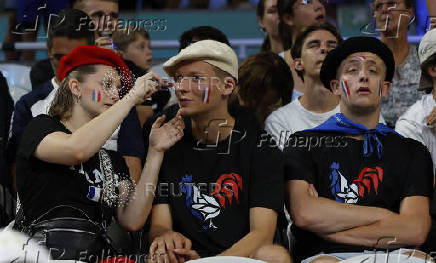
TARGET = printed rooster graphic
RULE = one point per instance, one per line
(369, 178)
(205, 207)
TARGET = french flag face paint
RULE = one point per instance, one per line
(95, 193)
(305, 2)
(380, 85)
(346, 89)
(96, 96)
(206, 95)
(361, 58)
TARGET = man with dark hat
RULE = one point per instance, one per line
(354, 184)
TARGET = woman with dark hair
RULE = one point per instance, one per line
(268, 20)
(69, 186)
(265, 84)
(294, 15)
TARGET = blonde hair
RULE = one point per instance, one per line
(123, 37)
(63, 102)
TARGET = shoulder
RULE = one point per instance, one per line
(416, 113)
(284, 112)
(37, 94)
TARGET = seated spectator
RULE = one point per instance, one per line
(265, 83)
(294, 15)
(392, 21)
(188, 37)
(65, 179)
(358, 185)
(104, 14)
(62, 39)
(220, 209)
(419, 121)
(317, 104)
(133, 45)
(6, 108)
(268, 20)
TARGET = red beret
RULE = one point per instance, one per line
(87, 55)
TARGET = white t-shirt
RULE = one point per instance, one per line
(291, 118)
(412, 124)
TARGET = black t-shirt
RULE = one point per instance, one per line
(210, 188)
(42, 185)
(335, 165)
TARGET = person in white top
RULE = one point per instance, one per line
(318, 103)
(419, 121)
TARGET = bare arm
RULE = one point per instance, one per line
(263, 223)
(71, 149)
(135, 204)
(322, 216)
(135, 167)
(162, 237)
(409, 228)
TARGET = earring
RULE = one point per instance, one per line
(261, 29)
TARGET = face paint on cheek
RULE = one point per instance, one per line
(206, 95)
(96, 96)
(380, 85)
(345, 89)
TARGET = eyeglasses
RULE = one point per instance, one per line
(58, 56)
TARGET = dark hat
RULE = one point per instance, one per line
(88, 55)
(354, 45)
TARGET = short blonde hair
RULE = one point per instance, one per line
(123, 37)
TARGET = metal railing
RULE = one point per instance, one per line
(241, 45)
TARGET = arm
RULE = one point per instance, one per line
(164, 239)
(71, 149)
(134, 206)
(262, 229)
(135, 167)
(409, 228)
(322, 216)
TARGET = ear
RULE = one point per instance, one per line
(287, 18)
(75, 87)
(431, 71)
(298, 64)
(385, 89)
(260, 22)
(334, 86)
(229, 86)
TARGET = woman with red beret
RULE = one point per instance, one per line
(68, 185)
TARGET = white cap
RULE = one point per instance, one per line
(426, 49)
(213, 52)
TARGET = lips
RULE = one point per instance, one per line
(363, 91)
(184, 102)
(320, 18)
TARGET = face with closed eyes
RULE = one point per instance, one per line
(361, 81)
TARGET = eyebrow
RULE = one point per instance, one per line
(369, 61)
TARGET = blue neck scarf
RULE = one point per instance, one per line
(339, 123)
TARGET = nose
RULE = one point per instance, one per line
(182, 86)
(363, 76)
(323, 47)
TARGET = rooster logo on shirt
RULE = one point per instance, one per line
(205, 207)
(367, 183)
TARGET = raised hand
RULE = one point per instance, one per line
(162, 137)
(145, 86)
